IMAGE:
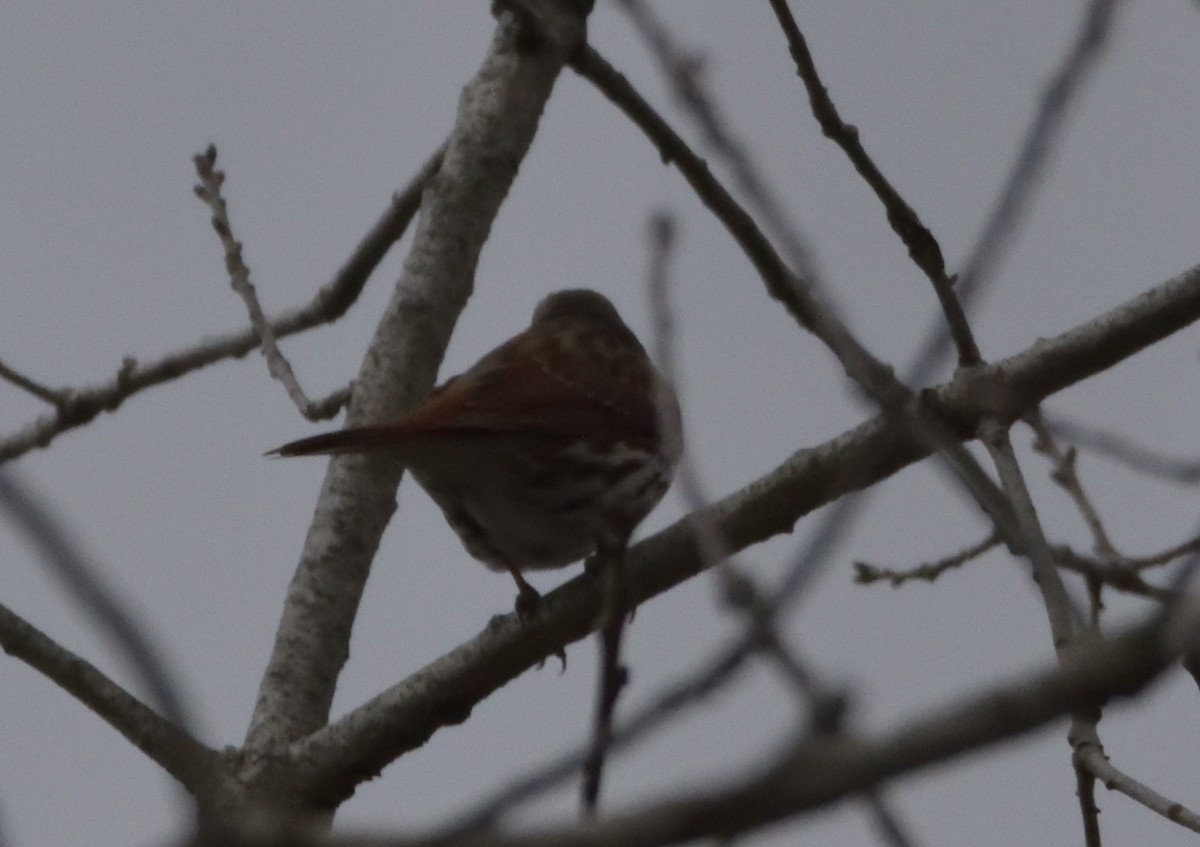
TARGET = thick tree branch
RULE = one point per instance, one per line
(180, 755)
(360, 744)
(498, 115)
(821, 770)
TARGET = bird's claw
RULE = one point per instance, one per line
(528, 606)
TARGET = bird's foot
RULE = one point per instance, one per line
(528, 607)
(529, 602)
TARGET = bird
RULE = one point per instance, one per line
(550, 449)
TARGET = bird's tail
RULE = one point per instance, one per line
(366, 439)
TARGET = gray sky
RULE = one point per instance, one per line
(319, 113)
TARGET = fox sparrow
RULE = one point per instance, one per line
(552, 447)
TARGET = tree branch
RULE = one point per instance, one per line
(498, 115)
(79, 406)
(403, 717)
(180, 755)
(922, 247)
(821, 770)
(30, 385)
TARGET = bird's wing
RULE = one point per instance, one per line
(546, 386)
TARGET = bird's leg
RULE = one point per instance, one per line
(529, 600)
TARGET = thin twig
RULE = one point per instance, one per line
(1117, 575)
(1038, 147)
(1120, 449)
(738, 589)
(689, 692)
(1166, 556)
(865, 573)
(30, 386)
(612, 676)
(994, 436)
(1097, 763)
(1066, 475)
(922, 247)
(80, 406)
(209, 191)
(873, 376)
(684, 71)
(1063, 629)
(887, 821)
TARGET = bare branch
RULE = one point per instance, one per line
(1122, 575)
(498, 115)
(873, 376)
(1067, 477)
(1085, 789)
(994, 436)
(887, 821)
(364, 741)
(922, 247)
(1039, 145)
(865, 574)
(1119, 575)
(1093, 758)
(80, 406)
(798, 296)
(186, 759)
(30, 386)
(825, 769)
(692, 691)
(209, 191)
(1127, 452)
(84, 585)
(822, 770)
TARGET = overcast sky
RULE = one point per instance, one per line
(319, 113)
